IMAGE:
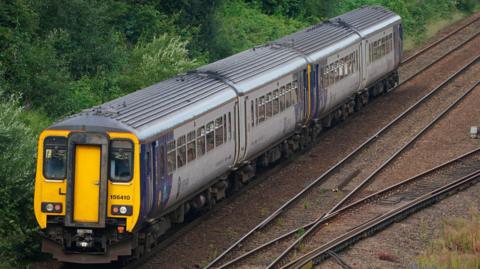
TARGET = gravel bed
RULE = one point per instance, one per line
(230, 220)
(448, 139)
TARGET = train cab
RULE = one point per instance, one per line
(87, 193)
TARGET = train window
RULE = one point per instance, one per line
(181, 152)
(218, 131)
(121, 160)
(357, 62)
(341, 71)
(201, 141)
(191, 151)
(171, 157)
(291, 92)
(288, 98)
(55, 158)
(256, 110)
(229, 125)
(346, 70)
(282, 98)
(160, 160)
(294, 96)
(252, 111)
(269, 105)
(275, 102)
(210, 136)
(225, 128)
(384, 46)
(261, 109)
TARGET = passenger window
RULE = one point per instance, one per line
(261, 109)
(252, 111)
(269, 105)
(55, 158)
(275, 102)
(341, 74)
(294, 96)
(218, 131)
(201, 141)
(357, 62)
(282, 98)
(171, 157)
(290, 89)
(181, 152)
(225, 128)
(210, 136)
(191, 152)
(229, 126)
(288, 98)
(161, 160)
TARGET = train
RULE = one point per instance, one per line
(113, 179)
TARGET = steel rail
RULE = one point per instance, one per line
(384, 164)
(368, 198)
(413, 56)
(439, 59)
(382, 221)
(341, 162)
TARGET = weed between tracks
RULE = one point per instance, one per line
(457, 247)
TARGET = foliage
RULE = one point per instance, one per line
(240, 26)
(18, 232)
(162, 58)
(457, 247)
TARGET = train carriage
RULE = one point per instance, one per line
(114, 178)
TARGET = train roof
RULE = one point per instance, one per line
(323, 39)
(162, 106)
(171, 101)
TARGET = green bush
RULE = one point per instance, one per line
(468, 6)
(239, 26)
(18, 231)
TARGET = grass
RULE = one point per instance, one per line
(457, 247)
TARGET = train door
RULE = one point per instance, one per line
(86, 184)
(86, 180)
(240, 120)
(364, 61)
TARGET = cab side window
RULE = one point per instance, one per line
(55, 158)
(121, 160)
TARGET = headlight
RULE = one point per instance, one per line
(122, 210)
(48, 207)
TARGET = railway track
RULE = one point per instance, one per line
(391, 205)
(432, 53)
(419, 190)
(351, 173)
(173, 235)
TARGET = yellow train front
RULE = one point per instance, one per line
(87, 193)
